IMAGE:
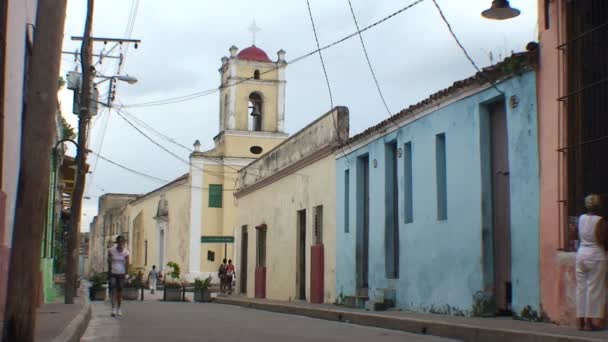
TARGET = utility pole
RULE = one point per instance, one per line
(34, 173)
(86, 59)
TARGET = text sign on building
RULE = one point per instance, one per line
(217, 239)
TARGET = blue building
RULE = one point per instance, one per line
(437, 207)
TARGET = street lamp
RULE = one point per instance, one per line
(124, 78)
(500, 10)
(113, 79)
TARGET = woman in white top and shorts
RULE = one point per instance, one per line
(118, 264)
(591, 266)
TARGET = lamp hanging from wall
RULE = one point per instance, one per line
(500, 10)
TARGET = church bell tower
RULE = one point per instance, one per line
(252, 96)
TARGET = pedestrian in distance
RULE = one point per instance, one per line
(221, 273)
(591, 264)
(152, 277)
(230, 276)
(118, 264)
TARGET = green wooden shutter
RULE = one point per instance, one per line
(215, 195)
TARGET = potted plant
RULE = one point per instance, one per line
(133, 285)
(97, 290)
(173, 288)
(201, 290)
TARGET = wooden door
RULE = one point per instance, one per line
(363, 222)
(244, 243)
(501, 207)
(301, 259)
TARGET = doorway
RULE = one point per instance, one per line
(301, 256)
(501, 222)
(161, 249)
(363, 222)
(244, 242)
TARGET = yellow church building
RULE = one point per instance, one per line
(252, 116)
(192, 220)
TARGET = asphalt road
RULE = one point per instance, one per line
(153, 320)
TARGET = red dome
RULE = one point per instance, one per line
(253, 53)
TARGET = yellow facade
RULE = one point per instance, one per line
(169, 223)
(145, 227)
(277, 206)
(234, 148)
(288, 196)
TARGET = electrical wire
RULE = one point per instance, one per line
(189, 150)
(142, 174)
(466, 53)
(195, 95)
(369, 63)
(314, 30)
(99, 148)
(211, 173)
(127, 168)
(173, 141)
(331, 100)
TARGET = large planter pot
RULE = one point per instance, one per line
(173, 295)
(203, 295)
(97, 293)
(130, 293)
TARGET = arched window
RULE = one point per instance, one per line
(256, 75)
(255, 113)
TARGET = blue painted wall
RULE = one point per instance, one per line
(443, 264)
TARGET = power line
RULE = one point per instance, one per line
(331, 100)
(169, 151)
(128, 169)
(195, 95)
(173, 141)
(369, 63)
(144, 174)
(314, 30)
(371, 68)
(99, 148)
(466, 53)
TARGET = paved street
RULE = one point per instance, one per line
(159, 321)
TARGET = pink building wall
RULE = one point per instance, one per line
(20, 18)
(558, 283)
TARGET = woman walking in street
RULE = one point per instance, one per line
(118, 264)
(591, 266)
(152, 277)
(229, 276)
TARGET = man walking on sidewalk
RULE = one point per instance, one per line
(118, 264)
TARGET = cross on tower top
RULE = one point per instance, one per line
(253, 29)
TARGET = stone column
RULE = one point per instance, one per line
(196, 207)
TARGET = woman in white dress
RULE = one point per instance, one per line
(118, 266)
(591, 266)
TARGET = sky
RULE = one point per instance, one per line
(413, 56)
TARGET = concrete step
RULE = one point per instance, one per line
(376, 306)
(355, 302)
(362, 292)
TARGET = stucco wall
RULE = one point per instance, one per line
(557, 282)
(20, 14)
(329, 128)
(277, 205)
(441, 262)
(299, 174)
(143, 211)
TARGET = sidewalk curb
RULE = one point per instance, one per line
(463, 332)
(74, 331)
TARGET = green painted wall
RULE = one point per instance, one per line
(46, 261)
